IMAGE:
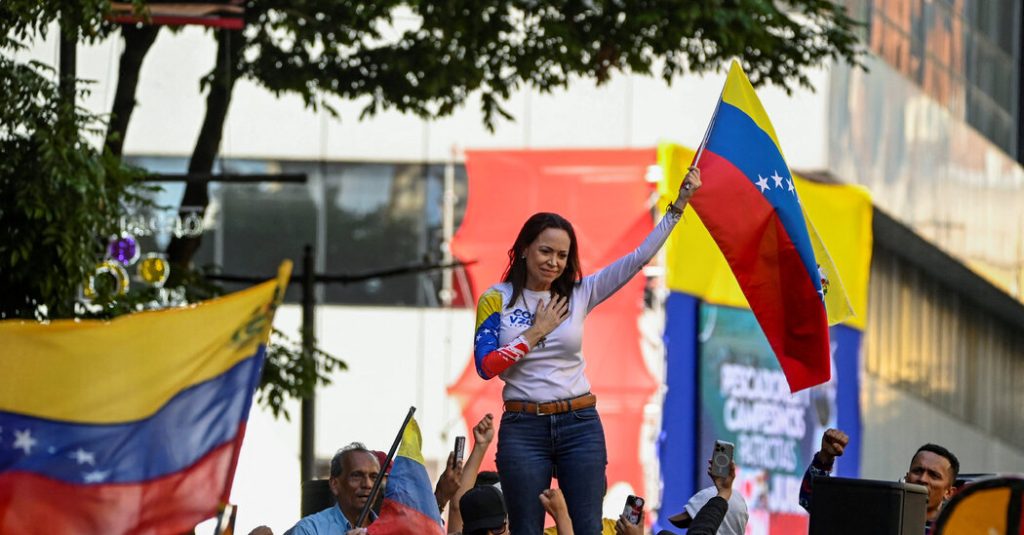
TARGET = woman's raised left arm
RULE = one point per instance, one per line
(609, 279)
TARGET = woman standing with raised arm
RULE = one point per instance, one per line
(529, 332)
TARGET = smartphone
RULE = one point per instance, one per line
(634, 506)
(460, 448)
(721, 458)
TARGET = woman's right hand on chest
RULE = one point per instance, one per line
(548, 316)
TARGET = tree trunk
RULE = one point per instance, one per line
(222, 81)
(137, 42)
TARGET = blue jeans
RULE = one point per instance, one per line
(532, 448)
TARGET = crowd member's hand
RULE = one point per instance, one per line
(625, 527)
(449, 482)
(554, 502)
(357, 531)
(723, 483)
(483, 431)
(261, 530)
(690, 184)
(833, 443)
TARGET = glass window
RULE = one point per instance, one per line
(361, 218)
(954, 49)
(943, 349)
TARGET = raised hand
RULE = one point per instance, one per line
(833, 443)
(449, 482)
(723, 483)
(690, 184)
(554, 504)
(483, 431)
(625, 527)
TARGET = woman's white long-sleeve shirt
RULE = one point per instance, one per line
(554, 369)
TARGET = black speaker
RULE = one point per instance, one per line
(843, 506)
(316, 496)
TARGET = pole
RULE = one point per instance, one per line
(448, 229)
(308, 425)
(707, 134)
(383, 469)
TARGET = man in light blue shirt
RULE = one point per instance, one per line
(353, 471)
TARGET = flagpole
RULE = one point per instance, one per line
(383, 469)
(707, 133)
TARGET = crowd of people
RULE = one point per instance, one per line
(476, 503)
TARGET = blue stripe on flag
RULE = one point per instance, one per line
(738, 139)
(189, 426)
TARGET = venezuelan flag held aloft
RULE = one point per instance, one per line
(749, 204)
(409, 503)
(131, 425)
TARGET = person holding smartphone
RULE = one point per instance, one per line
(529, 332)
(714, 510)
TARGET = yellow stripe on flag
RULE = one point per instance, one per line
(412, 443)
(740, 93)
(70, 370)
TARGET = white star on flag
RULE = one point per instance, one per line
(777, 179)
(23, 440)
(791, 188)
(96, 476)
(762, 183)
(83, 457)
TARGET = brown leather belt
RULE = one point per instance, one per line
(552, 407)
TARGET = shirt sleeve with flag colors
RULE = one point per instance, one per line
(131, 425)
(492, 359)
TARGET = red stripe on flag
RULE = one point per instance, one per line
(398, 519)
(173, 504)
(768, 268)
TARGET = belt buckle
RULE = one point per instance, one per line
(539, 412)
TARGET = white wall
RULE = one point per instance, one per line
(895, 424)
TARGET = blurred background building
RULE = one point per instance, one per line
(933, 129)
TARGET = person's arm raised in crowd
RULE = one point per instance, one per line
(710, 517)
(448, 483)
(833, 443)
(483, 435)
(554, 504)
